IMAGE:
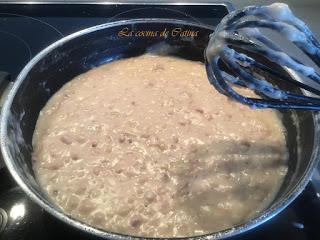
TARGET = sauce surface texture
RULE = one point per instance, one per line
(146, 146)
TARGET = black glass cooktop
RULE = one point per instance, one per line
(25, 29)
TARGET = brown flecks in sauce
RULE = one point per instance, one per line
(66, 140)
(155, 151)
(199, 110)
(184, 122)
(135, 221)
(122, 139)
(75, 156)
(94, 144)
(150, 84)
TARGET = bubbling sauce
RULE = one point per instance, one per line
(146, 146)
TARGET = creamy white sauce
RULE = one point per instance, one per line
(145, 146)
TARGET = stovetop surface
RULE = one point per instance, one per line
(25, 29)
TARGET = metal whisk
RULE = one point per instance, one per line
(229, 60)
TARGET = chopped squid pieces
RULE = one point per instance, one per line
(156, 151)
